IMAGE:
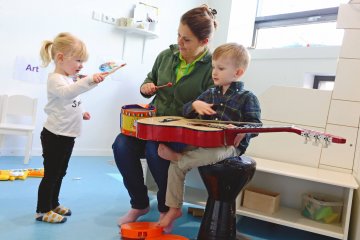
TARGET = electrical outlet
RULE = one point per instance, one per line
(108, 19)
(96, 16)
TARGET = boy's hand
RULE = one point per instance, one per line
(86, 116)
(239, 137)
(99, 77)
(203, 108)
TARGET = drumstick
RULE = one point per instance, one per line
(115, 69)
(169, 84)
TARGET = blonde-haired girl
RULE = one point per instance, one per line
(64, 119)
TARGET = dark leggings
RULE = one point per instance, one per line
(56, 153)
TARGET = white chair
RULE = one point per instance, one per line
(17, 117)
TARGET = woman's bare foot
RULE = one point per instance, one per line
(166, 220)
(132, 215)
(167, 153)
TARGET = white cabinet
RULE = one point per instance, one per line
(340, 155)
(348, 16)
(356, 167)
(291, 180)
(343, 121)
(286, 147)
(347, 82)
(344, 113)
(295, 105)
(350, 45)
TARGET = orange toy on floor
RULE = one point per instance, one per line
(147, 231)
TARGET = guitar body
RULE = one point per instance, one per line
(214, 134)
(178, 129)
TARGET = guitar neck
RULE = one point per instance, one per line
(302, 132)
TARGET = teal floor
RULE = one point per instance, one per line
(94, 191)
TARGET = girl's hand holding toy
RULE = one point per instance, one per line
(99, 77)
(105, 68)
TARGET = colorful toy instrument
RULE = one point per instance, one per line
(110, 67)
(131, 113)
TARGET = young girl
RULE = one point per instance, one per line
(64, 120)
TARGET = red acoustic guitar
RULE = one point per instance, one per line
(209, 134)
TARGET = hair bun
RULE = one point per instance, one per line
(213, 11)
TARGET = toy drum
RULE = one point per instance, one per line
(131, 113)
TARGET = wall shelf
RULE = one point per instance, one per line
(145, 34)
(138, 31)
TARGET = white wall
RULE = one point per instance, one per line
(286, 67)
(289, 66)
(24, 28)
(25, 24)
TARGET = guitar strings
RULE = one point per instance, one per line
(224, 122)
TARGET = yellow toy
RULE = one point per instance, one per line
(21, 174)
(13, 174)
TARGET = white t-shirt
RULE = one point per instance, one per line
(64, 110)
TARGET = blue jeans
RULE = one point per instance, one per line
(127, 152)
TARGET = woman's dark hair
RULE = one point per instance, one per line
(201, 21)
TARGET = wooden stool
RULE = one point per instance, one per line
(224, 181)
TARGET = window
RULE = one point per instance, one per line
(296, 23)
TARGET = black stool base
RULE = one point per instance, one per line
(218, 222)
(223, 182)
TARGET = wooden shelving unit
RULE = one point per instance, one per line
(290, 217)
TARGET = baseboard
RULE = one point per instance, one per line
(76, 152)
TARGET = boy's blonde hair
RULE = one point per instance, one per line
(64, 43)
(235, 51)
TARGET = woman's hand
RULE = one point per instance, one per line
(99, 77)
(203, 108)
(148, 89)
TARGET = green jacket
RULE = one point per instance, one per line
(169, 101)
